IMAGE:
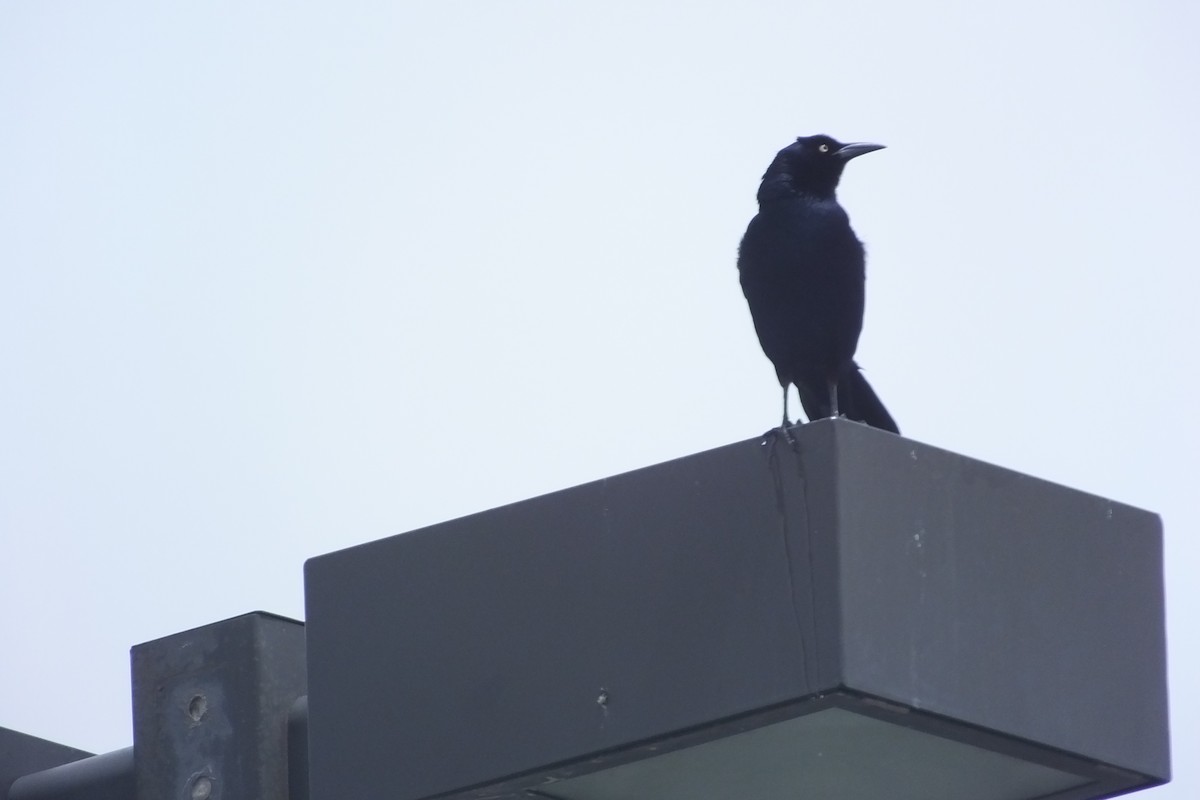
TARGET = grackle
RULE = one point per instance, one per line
(803, 272)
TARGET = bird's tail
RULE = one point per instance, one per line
(858, 401)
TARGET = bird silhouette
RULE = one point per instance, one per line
(803, 272)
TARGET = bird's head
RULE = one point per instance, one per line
(812, 165)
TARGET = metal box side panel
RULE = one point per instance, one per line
(565, 625)
(1002, 600)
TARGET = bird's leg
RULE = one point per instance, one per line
(833, 403)
(785, 426)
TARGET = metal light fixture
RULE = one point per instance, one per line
(853, 615)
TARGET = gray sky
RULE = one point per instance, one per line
(279, 278)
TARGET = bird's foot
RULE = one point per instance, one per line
(783, 432)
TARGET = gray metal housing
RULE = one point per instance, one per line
(674, 605)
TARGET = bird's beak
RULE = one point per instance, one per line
(855, 149)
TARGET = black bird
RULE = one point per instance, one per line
(803, 272)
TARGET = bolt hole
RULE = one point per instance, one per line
(202, 788)
(197, 707)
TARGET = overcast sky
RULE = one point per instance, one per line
(279, 278)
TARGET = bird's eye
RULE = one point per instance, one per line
(824, 148)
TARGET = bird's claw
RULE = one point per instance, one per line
(782, 432)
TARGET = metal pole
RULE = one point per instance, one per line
(108, 776)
